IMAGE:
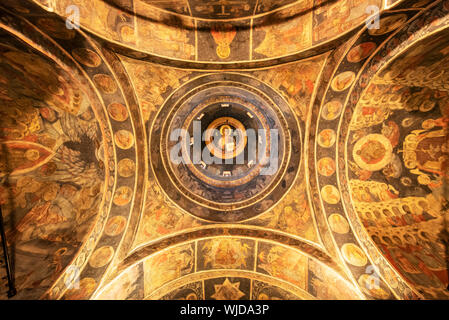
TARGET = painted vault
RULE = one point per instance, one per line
(355, 209)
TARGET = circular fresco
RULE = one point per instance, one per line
(222, 147)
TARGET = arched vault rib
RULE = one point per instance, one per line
(209, 232)
(209, 259)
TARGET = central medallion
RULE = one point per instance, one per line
(222, 149)
(229, 140)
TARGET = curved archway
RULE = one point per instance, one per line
(228, 268)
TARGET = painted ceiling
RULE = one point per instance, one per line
(356, 207)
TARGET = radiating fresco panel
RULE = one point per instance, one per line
(161, 217)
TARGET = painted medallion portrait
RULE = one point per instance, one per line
(326, 166)
(124, 139)
(106, 83)
(331, 110)
(361, 52)
(101, 257)
(343, 81)
(326, 138)
(123, 196)
(370, 285)
(115, 226)
(338, 223)
(354, 255)
(372, 152)
(330, 194)
(126, 168)
(118, 112)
